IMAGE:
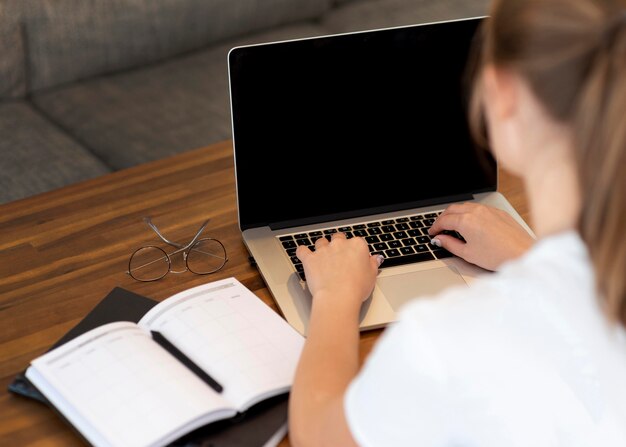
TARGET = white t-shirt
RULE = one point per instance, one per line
(522, 357)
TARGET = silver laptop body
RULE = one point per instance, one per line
(347, 130)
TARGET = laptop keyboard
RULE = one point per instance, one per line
(403, 240)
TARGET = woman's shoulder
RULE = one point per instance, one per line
(527, 341)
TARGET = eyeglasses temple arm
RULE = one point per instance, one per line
(195, 238)
(148, 222)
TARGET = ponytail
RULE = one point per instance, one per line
(600, 131)
(573, 54)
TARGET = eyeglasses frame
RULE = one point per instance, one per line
(184, 248)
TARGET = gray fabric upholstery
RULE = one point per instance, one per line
(12, 74)
(158, 111)
(36, 156)
(372, 14)
(114, 83)
(76, 39)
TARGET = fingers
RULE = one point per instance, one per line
(452, 222)
(376, 261)
(302, 252)
(322, 241)
(338, 235)
(354, 241)
(450, 243)
(462, 217)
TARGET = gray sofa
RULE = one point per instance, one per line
(88, 87)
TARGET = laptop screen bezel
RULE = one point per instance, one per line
(316, 218)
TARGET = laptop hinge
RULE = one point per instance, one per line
(367, 212)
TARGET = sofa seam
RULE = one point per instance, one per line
(26, 60)
(58, 126)
(318, 21)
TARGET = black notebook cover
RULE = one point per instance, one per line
(252, 428)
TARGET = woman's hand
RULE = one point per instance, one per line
(340, 274)
(341, 269)
(492, 236)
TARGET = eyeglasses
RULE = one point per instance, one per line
(201, 256)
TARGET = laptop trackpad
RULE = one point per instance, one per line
(399, 289)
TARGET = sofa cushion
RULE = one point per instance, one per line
(374, 14)
(37, 156)
(157, 111)
(12, 74)
(76, 39)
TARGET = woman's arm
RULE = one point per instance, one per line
(328, 363)
(340, 275)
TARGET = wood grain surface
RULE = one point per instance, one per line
(61, 252)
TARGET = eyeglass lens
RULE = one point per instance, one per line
(149, 264)
(206, 256)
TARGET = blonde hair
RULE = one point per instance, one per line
(573, 55)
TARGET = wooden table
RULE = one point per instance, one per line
(61, 252)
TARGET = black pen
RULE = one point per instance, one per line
(169, 347)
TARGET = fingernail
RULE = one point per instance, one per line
(436, 242)
(380, 259)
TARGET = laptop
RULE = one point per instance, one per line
(350, 132)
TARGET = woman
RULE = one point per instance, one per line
(534, 354)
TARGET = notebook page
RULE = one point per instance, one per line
(234, 336)
(118, 387)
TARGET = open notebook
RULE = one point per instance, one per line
(118, 386)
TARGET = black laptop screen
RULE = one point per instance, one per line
(344, 125)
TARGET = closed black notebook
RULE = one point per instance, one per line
(263, 424)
